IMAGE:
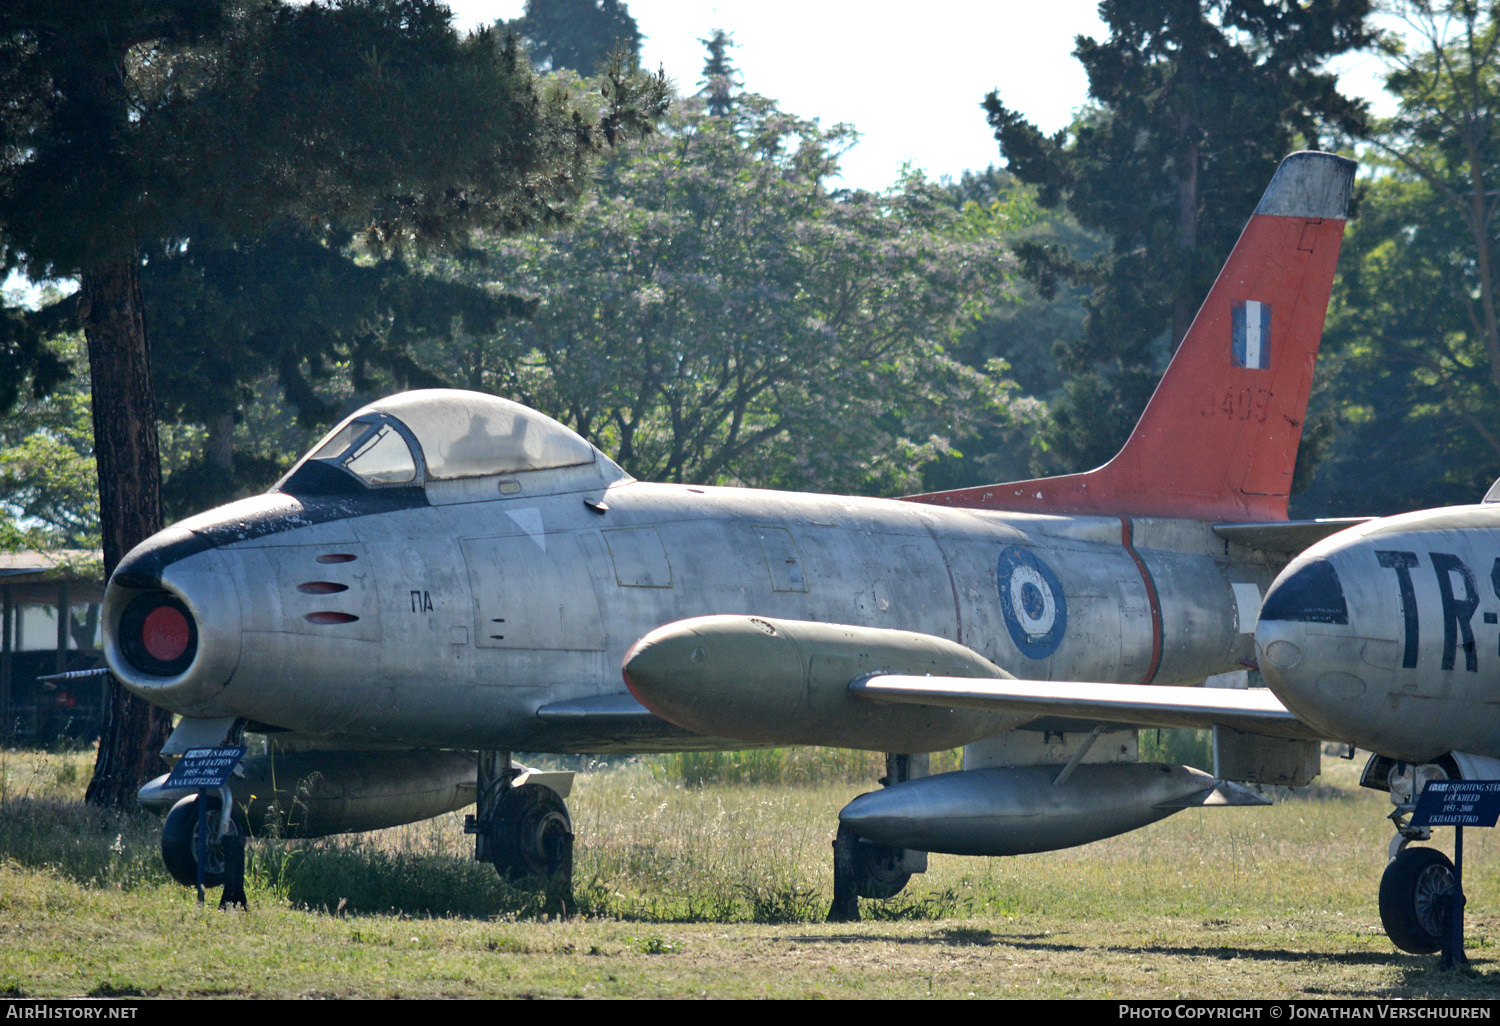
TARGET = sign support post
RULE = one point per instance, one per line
(1457, 803)
(208, 770)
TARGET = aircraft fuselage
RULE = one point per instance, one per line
(1388, 634)
(445, 619)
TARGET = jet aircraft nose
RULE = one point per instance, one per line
(172, 623)
(1310, 657)
(1377, 636)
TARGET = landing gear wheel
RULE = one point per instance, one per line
(532, 838)
(877, 871)
(179, 843)
(1415, 892)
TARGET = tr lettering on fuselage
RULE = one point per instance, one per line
(1381, 635)
(1457, 610)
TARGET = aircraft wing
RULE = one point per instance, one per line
(1252, 710)
(788, 682)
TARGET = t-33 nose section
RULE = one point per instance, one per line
(1303, 628)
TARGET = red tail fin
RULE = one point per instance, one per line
(1218, 441)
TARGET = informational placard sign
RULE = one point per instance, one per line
(205, 768)
(1458, 803)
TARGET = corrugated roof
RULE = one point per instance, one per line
(30, 563)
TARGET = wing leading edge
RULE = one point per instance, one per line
(1253, 711)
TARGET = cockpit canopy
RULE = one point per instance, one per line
(440, 434)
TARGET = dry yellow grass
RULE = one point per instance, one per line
(1276, 902)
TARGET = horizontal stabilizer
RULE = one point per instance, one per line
(1254, 710)
(1289, 536)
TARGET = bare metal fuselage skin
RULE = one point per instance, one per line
(1386, 634)
(448, 615)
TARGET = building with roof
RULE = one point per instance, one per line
(50, 623)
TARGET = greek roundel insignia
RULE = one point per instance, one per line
(1036, 614)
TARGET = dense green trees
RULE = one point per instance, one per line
(581, 35)
(231, 318)
(1411, 375)
(717, 313)
(1022, 332)
(1194, 103)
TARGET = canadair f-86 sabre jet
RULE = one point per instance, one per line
(449, 577)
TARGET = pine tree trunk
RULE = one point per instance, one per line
(125, 446)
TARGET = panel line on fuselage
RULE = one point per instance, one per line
(1127, 539)
(958, 613)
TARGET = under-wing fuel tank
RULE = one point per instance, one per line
(1016, 810)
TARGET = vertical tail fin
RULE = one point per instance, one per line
(1218, 440)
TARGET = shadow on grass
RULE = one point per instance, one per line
(1419, 974)
(351, 877)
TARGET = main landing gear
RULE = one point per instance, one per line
(864, 869)
(521, 826)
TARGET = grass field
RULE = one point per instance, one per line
(719, 890)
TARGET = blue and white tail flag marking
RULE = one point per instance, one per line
(1252, 334)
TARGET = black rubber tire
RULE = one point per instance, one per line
(1414, 894)
(877, 872)
(179, 843)
(532, 837)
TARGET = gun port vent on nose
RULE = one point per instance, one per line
(322, 588)
(330, 617)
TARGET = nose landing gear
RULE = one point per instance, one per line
(1421, 890)
(180, 836)
(202, 846)
(1416, 893)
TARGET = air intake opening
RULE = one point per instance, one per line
(158, 635)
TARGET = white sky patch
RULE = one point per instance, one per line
(910, 78)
